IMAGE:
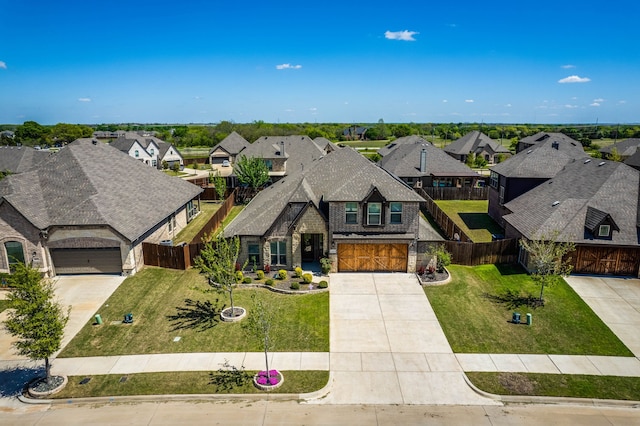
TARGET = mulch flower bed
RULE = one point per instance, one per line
(285, 285)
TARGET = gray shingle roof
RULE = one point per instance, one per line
(18, 159)
(625, 148)
(342, 175)
(300, 151)
(546, 136)
(405, 140)
(404, 161)
(541, 160)
(474, 141)
(95, 184)
(583, 187)
(233, 144)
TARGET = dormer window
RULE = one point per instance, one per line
(604, 230)
(374, 214)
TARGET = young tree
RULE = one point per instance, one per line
(35, 318)
(547, 259)
(217, 262)
(260, 324)
(251, 171)
(614, 155)
(220, 183)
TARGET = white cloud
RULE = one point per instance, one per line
(469, 101)
(570, 106)
(508, 105)
(568, 66)
(595, 104)
(598, 100)
(84, 99)
(288, 67)
(197, 98)
(313, 109)
(3, 65)
(574, 79)
(400, 35)
(444, 101)
(622, 102)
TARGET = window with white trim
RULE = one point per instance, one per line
(15, 253)
(278, 252)
(374, 214)
(493, 180)
(604, 230)
(136, 153)
(351, 212)
(501, 195)
(253, 250)
(396, 213)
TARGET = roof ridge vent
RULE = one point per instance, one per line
(588, 160)
(602, 163)
(529, 152)
(555, 203)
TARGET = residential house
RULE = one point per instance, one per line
(478, 144)
(87, 209)
(625, 148)
(405, 140)
(420, 164)
(340, 206)
(354, 133)
(528, 169)
(530, 141)
(149, 149)
(18, 159)
(223, 156)
(592, 203)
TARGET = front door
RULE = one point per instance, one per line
(311, 247)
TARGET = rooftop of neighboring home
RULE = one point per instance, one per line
(542, 160)
(91, 183)
(583, 195)
(475, 141)
(342, 175)
(541, 137)
(634, 160)
(405, 140)
(299, 151)
(625, 148)
(404, 160)
(18, 159)
(126, 140)
(232, 144)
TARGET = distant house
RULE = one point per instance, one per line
(593, 203)
(634, 160)
(354, 133)
(420, 164)
(148, 149)
(528, 169)
(18, 159)
(87, 209)
(540, 137)
(105, 134)
(225, 153)
(340, 206)
(7, 134)
(478, 144)
(625, 148)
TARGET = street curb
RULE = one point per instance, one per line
(552, 400)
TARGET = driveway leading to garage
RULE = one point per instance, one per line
(387, 346)
(84, 293)
(616, 301)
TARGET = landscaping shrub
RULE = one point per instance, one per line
(239, 276)
(307, 278)
(260, 274)
(298, 272)
(269, 282)
(247, 280)
(323, 284)
(325, 265)
(295, 286)
(282, 274)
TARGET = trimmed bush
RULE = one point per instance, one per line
(269, 282)
(260, 274)
(295, 286)
(282, 274)
(323, 284)
(239, 276)
(298, 272)
(307, 278)
(247, 280)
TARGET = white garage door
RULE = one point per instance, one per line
(87, 261)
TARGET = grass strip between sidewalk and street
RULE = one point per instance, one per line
(475, 311)
(558, 385)
(167, 304)
(184, 383)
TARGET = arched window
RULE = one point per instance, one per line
(15, 253)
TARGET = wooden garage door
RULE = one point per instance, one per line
(372, 257)
(87, 261)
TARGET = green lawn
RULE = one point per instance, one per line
(155, 295)
(558, 385)
(471, 216)
(181, 383)
(207, 210)
(475, 310)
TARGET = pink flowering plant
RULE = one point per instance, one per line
(273, 378)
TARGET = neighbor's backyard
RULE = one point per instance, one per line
(472, 217)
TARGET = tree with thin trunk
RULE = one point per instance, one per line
(217, 262)
(220, 184)
(260, 323)
(35, 317)
(251, 171)
(548, 259)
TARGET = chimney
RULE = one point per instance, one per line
(282, 148)
(423, 160)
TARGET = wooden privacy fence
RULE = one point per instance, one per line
(472, 254)
(450, 193)
(448, 226)
(216, 220)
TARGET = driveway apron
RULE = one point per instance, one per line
(387, 346)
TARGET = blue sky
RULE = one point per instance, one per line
(198, 61)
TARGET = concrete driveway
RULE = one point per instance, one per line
(84, 293)
(387, 346)
(616, 301)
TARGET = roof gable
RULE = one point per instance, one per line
(596, 217)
